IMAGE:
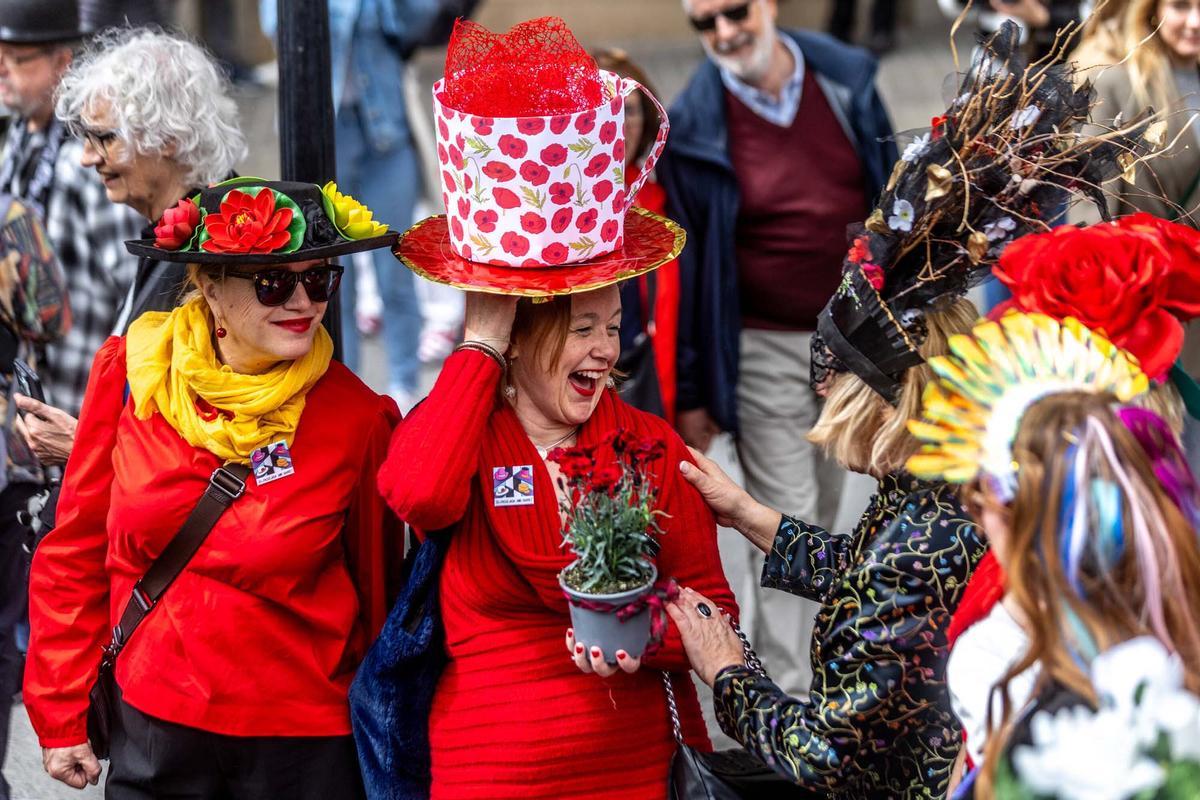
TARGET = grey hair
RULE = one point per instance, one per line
(164, 91)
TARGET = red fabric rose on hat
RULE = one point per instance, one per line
(1135, 280)
(177, 225)
(248, 224)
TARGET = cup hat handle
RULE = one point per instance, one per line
(628, 86)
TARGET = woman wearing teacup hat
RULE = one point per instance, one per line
(539, 230)
(222, 425)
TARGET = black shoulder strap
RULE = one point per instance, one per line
(227, 484)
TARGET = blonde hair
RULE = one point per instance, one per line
(1149, 60)
(1101, 40)
(852, 407)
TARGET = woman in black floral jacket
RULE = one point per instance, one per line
(877, 721)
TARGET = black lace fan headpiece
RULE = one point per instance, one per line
(1002, 160)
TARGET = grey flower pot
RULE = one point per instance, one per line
(602, 628)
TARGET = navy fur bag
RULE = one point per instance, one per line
(392, 694)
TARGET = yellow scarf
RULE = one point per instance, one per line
(172, 368)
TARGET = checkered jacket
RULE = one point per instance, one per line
(88, 233)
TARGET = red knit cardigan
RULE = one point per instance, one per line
(513, 717)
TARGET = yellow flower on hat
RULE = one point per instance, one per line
(351, 217)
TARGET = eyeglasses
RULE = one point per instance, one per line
(274, 287)
(709, 22)
(99, 140)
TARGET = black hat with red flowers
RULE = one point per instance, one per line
(253, 221)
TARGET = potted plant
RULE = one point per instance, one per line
(611, 525)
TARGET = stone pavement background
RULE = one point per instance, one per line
(910, 78)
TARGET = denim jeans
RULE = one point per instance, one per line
(388, 182)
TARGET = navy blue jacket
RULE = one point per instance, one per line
(702, 195)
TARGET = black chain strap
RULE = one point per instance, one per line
(752, 662)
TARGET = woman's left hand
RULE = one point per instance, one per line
(594, 661)
(708, 639)
(49, 431)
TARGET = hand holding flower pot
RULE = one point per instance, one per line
(611, 526)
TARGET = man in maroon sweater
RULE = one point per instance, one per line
(777, 144)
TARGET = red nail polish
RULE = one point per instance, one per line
(620, 655)
(571, 632)
(596, 652)
(578, 649)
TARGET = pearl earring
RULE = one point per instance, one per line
(611, 382)
(510, 392)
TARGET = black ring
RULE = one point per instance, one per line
(704, 610)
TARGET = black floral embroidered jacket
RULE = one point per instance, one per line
(877, 722)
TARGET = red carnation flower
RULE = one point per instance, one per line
(248, 224)
(177, 225)
(605, 477)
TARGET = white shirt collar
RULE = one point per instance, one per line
(779, 111)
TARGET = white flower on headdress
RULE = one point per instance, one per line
(902, 216)
(918, 148)
(1026, 117)
(1000, 229)
(1078, 754)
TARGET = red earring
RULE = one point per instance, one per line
(221, 332)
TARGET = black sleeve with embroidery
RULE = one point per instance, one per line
(807, 560)
(877, 717)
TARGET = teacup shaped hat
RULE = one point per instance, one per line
(531, 148)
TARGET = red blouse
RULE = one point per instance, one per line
(513, 717)
(262, 632)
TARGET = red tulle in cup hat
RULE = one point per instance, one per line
(531, 151)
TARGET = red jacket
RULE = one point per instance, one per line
(261, 633)
(513, 717)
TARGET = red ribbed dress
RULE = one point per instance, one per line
(513, 717)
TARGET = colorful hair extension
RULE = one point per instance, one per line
(1170, 465)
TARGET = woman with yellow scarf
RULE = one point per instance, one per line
(234, 683)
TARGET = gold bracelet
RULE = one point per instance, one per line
(486, 349)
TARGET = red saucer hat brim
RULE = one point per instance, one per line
(650, 242)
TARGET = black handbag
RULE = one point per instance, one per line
(226, 485)
(724, 774)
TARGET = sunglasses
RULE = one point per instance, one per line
(709, 22)
(274, 287)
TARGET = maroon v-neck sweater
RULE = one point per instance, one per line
(800, 187)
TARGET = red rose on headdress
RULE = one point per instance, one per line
(1129, 280)
(177, 225)
(248, 224)
(874, 276)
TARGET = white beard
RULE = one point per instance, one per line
(753, 67)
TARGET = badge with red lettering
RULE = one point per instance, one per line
(512, 486)
(271, 463)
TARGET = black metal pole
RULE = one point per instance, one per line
(306, 129)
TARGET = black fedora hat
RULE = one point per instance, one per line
(254, 221)
(40, 21)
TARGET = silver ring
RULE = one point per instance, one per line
(704, 610)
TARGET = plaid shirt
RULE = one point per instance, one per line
(88, 233)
